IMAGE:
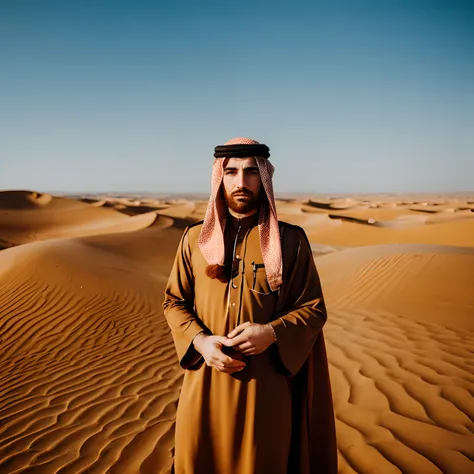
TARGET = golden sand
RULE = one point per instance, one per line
(89, 379)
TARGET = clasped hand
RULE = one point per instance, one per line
(246, 339)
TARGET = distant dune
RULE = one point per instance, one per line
(90, 381)
(28, 217)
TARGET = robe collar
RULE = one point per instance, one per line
(245, 222)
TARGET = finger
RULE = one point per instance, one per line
(216, 364)
(244, 346)
(234, 371)
(222, 358)
(225, 370)
(238, 329)
(228, 367)
(250, 351)
(235, 341)
(228, 361)
(221, 339)
(230, 370)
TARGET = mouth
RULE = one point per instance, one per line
(242, 195)
(242, 198)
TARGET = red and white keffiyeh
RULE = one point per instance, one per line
(211, 239)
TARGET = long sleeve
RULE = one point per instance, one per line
(179, 307)
(298, 324)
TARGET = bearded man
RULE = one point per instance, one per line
(246, 309)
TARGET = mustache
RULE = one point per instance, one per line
(243, 192)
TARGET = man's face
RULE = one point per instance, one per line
(241, 184)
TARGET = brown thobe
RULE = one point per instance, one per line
(276, 415)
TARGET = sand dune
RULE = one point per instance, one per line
(182, 211)
(353, 234)
(25, 217)
(344, 203)
(89, 379)
(400, 343)
(428, 282)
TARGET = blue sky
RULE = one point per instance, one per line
(353, 96)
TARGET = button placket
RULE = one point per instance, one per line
(235, 288)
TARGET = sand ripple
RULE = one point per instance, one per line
(403, 386)
(89, 379)
(90, 382)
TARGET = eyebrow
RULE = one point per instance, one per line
(247, 168)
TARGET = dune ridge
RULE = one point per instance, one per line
(23, 220)
(90, 382)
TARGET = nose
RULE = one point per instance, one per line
(240, 182)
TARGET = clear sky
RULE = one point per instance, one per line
(350, 96)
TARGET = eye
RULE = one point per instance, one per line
(230, 171)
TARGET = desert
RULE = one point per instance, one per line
(90, 380)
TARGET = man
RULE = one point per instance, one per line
(245, 308)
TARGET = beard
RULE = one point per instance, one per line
(242, 201)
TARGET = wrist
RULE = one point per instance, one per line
(272, 333)
(198, 340)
